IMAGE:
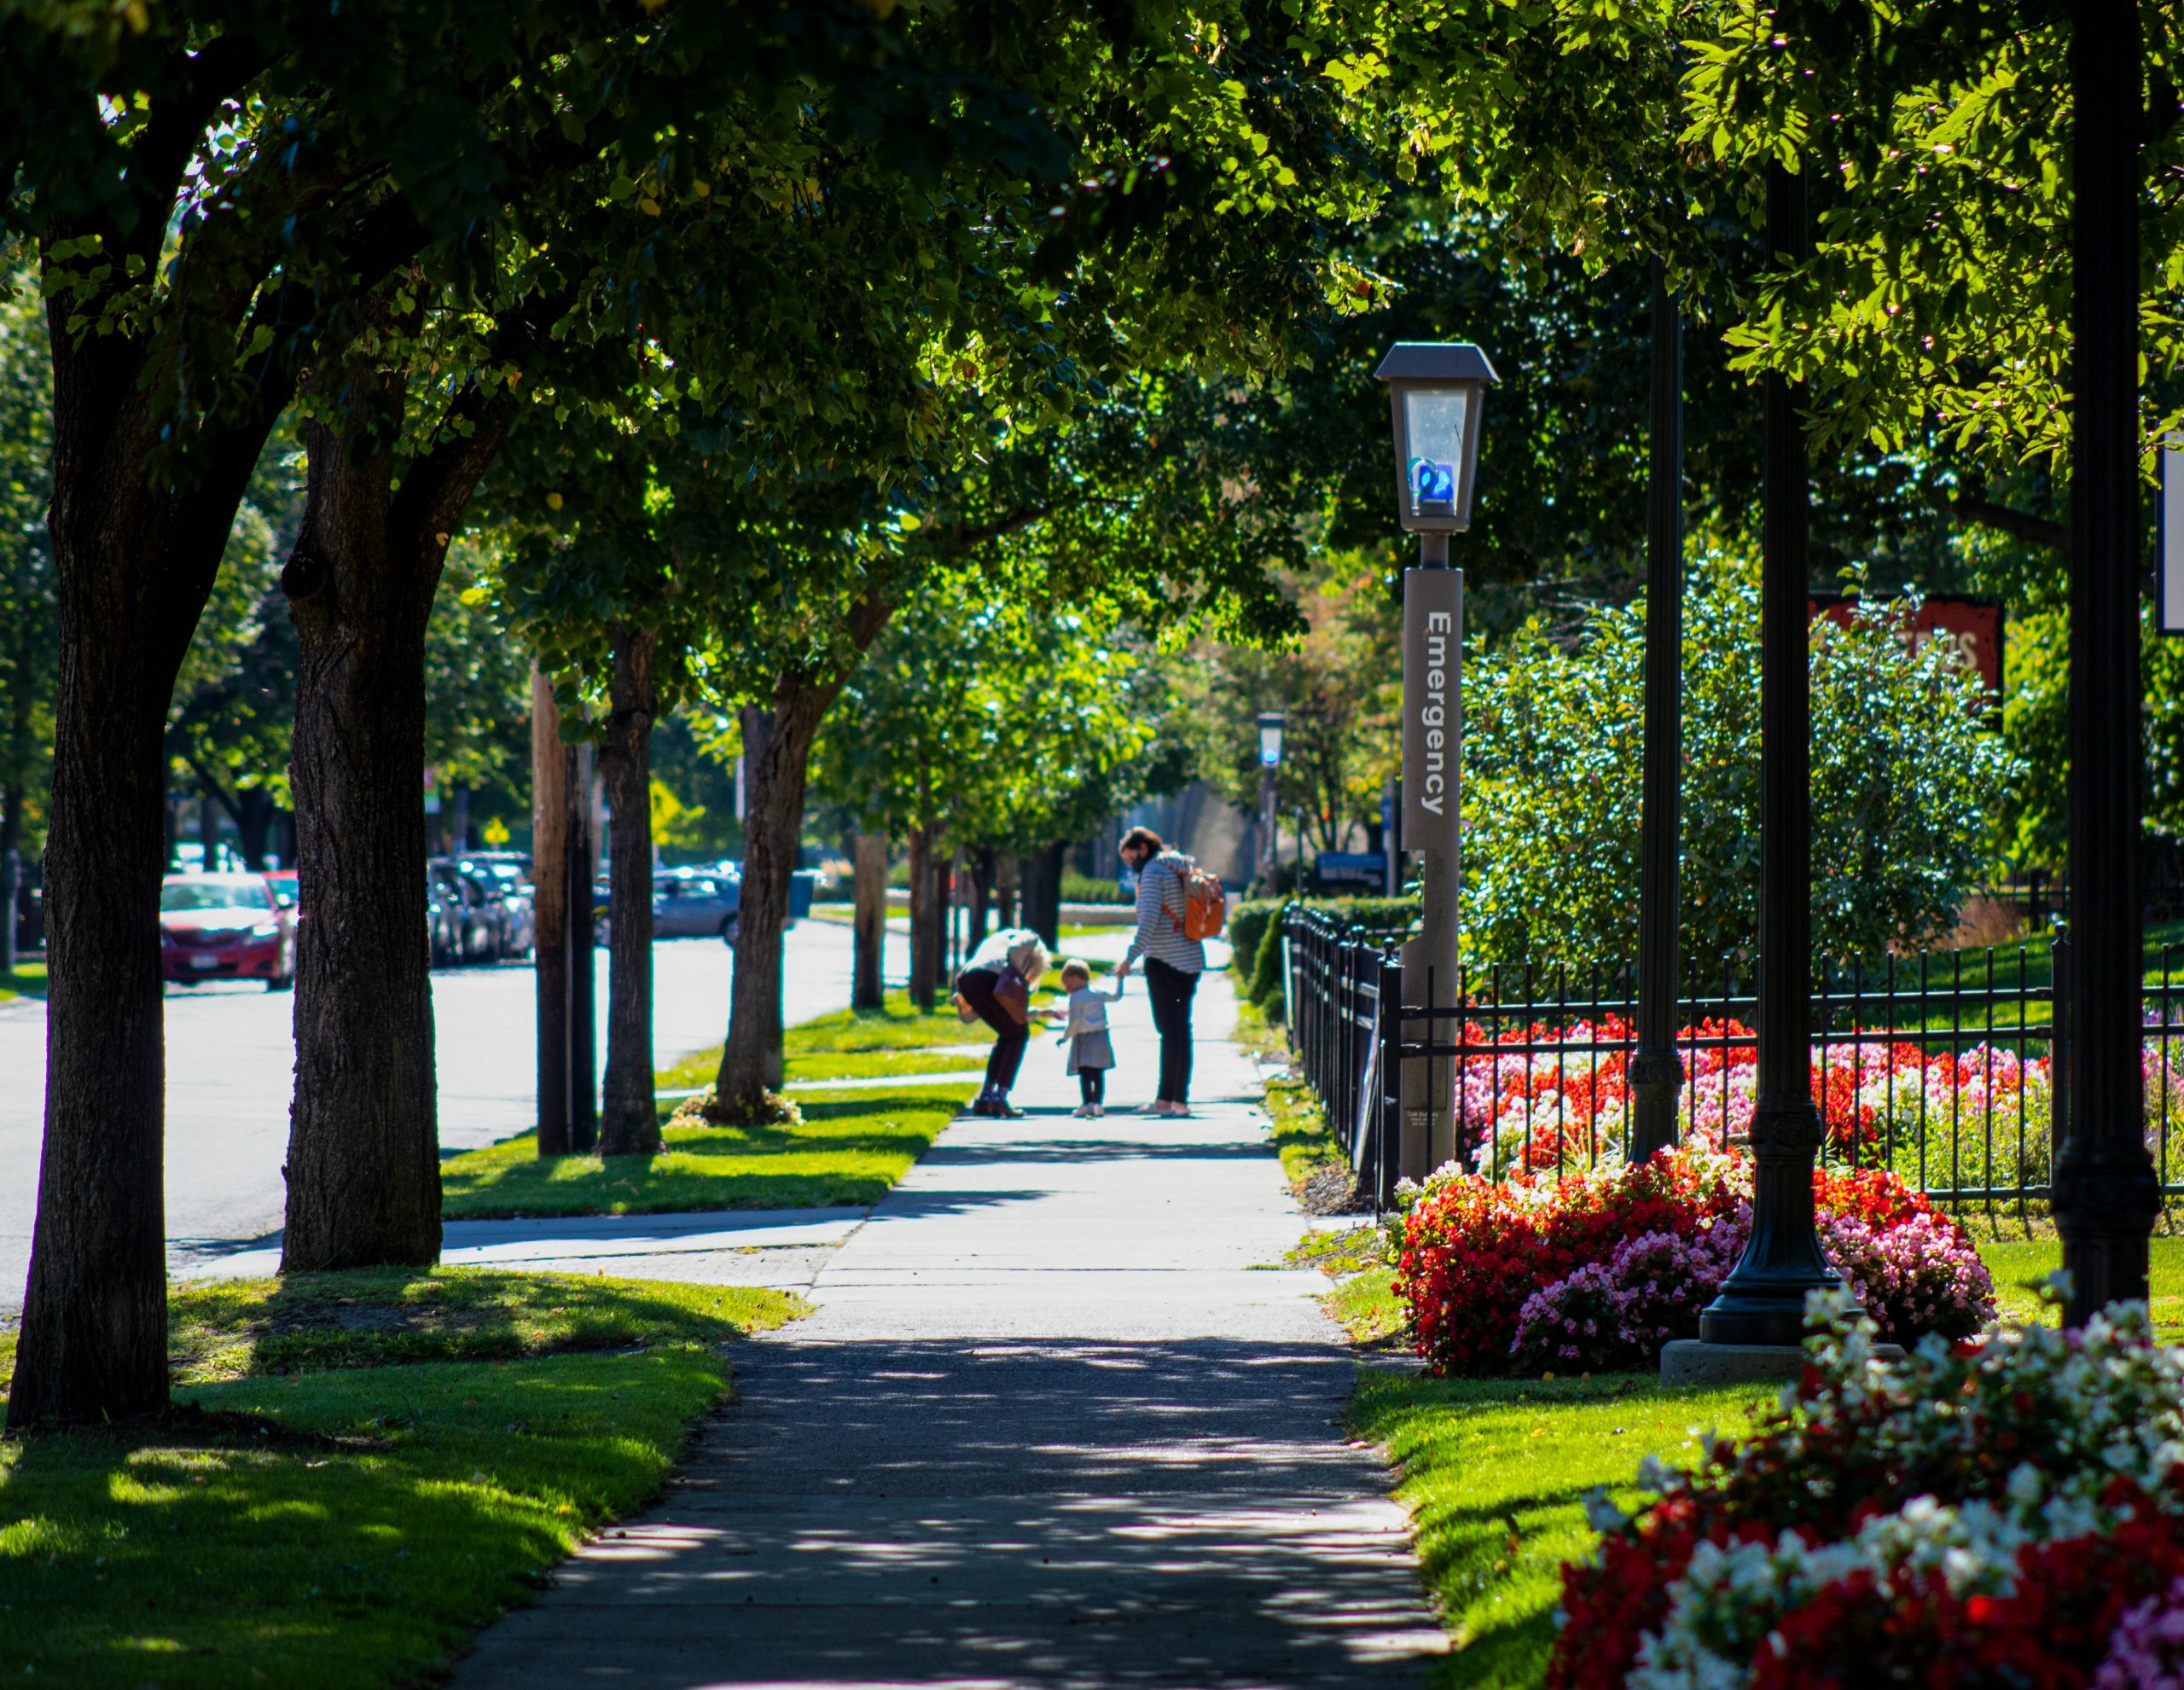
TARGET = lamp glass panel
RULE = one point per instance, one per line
(1433, 437)
(1270, 744)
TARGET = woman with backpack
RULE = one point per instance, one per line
(1173, 958)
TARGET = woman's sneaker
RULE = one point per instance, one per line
(1085, 1112)
(1099, 1110)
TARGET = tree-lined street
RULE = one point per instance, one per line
(231, 1056)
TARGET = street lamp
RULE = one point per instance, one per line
(1271, 724)
(1435, 393)
(1436, 390)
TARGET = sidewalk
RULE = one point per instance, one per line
(1055, 1424)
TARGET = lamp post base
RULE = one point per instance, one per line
(1695, 1362)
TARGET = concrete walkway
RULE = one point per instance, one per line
(1055, 1424)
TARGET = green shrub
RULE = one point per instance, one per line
(1255, 932)
(1248, 921)
(1091, 889)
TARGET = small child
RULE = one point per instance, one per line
(1091, 1053)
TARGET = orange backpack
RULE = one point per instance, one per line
(1206, 904)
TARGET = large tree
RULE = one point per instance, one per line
(29, 609)
(220, 194)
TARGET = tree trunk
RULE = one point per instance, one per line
(868, 946)
(773, 822)
(135, 557)
(550, 913)
(253, 814)
(751, 1058)
(982, 889)
(1040, 879)
(1004, 894)
(924, 968)
(458, 824)
(950, 876)
(363, 1159)
(629, 1125)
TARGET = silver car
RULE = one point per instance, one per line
(687, 903)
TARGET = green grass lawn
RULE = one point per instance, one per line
(28, 980)
(1300, 1133)
(2017, 1264)
(359, 1470)
(1494, 1473)
(850, 1149)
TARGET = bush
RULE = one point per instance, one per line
(1905, 778)
(2001, 1511)
(1255, 931)
(1254, 918)
(1091, 889)
(1601, 1269)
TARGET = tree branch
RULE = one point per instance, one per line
(1972, 505)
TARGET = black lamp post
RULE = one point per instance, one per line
(2105, 1193)
(1656, 1074)
(1435, 395)
(1764, 1301)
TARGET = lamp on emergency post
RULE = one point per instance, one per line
(1271, 722)
(1435, 393)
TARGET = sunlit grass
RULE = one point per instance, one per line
(27, 980)
(1494, 1473)
(350, 1523)
(850, 1149)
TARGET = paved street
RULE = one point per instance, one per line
(230, 1060)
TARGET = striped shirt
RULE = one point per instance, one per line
(1160, 898)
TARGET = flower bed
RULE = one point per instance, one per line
(1601, 1269)
(1980, 1119)
(2002, 1511)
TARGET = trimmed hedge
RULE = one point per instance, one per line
(1255, 932)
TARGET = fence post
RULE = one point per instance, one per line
(1390, 1072)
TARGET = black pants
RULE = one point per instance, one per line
(1010, 1035)
(1092, 1084)
(1171, 990)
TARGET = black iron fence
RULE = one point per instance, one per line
(1941, 1067)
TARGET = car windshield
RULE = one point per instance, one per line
(236, 892)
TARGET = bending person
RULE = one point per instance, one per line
(996, 986)
(1172, 963)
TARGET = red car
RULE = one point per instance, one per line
(225, 927)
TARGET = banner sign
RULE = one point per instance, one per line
(1972, 627)
(1432, 708)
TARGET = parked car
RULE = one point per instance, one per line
(687, 903)
(224, 926)
(475, 914)
(440, 923)
(507, 881)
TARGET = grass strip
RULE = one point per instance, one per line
(27, 979)
(307, 1514)
(1495, 1472)
(1300, 1131)
(2019, 1264)
(850, 1148)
